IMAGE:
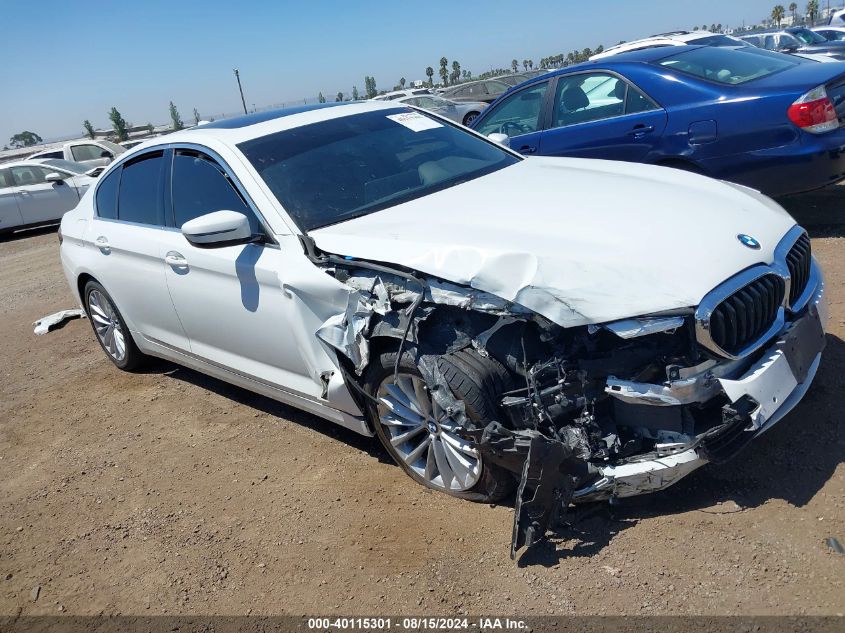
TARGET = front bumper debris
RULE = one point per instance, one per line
(759, 398)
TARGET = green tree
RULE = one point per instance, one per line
(118, 124)
(531, 64)
(599, 49)
(25, 139)
(355, 93)
(175, 119)
(370, 87)
(89, 129)
(339, 97)
(719, 26)
(695, 28)
(793, 7)
(514, 65)
(777, 13)
(429, 72)
(151, 128)
(444, 71)
(813, 10)
(321, 98)
(455, 77)
(402, 83)
(197, 117)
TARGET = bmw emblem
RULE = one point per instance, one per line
(747, 240)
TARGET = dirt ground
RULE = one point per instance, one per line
(168, 492)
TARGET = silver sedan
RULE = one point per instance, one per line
(463, 112)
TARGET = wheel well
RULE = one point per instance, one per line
(81, 282)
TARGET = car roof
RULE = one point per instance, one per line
(243, 128)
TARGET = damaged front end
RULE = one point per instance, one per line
(596, 411)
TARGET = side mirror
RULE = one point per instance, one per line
(220, 228)
(54, 177)
(501, 139)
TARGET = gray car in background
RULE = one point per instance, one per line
(459, 112)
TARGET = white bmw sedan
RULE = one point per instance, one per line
(587, 329)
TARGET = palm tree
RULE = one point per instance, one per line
(514, 65)
(793, 7)
(402, 82)
(429, 71)
(777, 13)
(444, 71)
(813, 10)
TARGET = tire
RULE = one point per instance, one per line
(470, 117)
(110, 329)
(432, 442)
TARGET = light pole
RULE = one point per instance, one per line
(238, 77)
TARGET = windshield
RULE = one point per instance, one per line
(336, 170)
(727, 66)
(808, 37)
(67, 165)
(718, 40)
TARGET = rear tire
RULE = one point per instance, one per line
(110, 329)
(422, 438)
(470, 117)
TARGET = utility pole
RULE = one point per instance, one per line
(238, 77)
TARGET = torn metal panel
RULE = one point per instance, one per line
(632, 328)
(345, 331)
(55, 320)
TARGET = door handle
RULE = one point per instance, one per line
(102, 243)
(177, 260)
(641, 130)
(527, 149)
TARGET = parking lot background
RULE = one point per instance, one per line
(168, 492)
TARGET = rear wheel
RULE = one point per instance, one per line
(110, 328)
(423, 438)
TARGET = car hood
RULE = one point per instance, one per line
(577, 241)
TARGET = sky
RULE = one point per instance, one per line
(71, 61)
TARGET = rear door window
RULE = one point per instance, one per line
(141, 189)
(6, 179)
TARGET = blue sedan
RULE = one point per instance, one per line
(757, 118)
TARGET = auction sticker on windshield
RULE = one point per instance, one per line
(414, 121)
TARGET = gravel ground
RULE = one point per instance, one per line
(167, 492)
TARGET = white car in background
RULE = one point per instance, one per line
(463, 112)
(831, 32)
(401, 94)
(675, 38)
(91, 153)
(40, 191)
(598, 329)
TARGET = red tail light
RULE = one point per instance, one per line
(814, 112)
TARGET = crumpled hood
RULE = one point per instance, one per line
(577, 241)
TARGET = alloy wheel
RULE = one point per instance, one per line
(107, 325)
(424, 436)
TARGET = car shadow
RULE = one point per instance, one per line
(30, 232)
(821, 212)
(267, 405)
(792, 462)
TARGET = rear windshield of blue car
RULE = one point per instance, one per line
(727, 66)
(344, 168)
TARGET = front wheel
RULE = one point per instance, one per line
(110, 328)
(423, 438)
(470, 117)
